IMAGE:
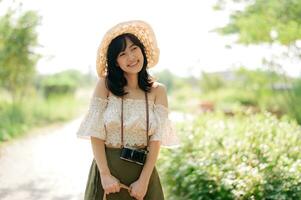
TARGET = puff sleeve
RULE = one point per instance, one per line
(93, 124)
(165, 131)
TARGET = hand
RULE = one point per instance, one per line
(139, 189)
(109, 183)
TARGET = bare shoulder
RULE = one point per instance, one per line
(159, 88)
(101, 89)
(160, 92)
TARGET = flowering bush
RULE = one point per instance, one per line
(242, 157)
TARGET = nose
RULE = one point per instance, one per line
(131, 57)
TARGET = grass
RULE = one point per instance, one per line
(19, 118)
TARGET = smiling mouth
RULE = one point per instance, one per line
(134, 64)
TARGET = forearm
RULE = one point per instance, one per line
(154, 148)
(98, 148)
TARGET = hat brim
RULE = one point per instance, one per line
(141, 30)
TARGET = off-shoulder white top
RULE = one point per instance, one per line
(103, 121)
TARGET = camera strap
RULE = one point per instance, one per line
(147, 120)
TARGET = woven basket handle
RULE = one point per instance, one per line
(121, 185)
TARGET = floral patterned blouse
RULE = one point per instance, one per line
(102, 121)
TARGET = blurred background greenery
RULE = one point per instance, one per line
(244, 143)
(244, 139)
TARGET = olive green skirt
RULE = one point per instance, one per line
(127, 173)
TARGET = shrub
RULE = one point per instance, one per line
(53, 86)
(17, 119)
(242, 157)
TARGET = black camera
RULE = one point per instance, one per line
(134, 155)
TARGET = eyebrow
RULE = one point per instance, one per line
(132, 45)
(129, 47)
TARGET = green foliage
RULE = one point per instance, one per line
(184, 99)
(259, 84)
(293, 97)
(211, 82)
(259, 89)
(18, 38)
(242, 157)
(12, 119)
(262, 17)
(58, 85)
(275, 22)
(18, 118)
(230, 96)
(62, 83)
(60, 104)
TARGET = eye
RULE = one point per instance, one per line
(134, 48)
(121, 54)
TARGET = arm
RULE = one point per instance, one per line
(154, 148)
(98, 148)
(98, 144)
(109, 183)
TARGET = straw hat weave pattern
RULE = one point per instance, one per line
(141, 30)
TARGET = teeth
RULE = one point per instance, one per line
(133, 64)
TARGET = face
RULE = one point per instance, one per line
(131, 59)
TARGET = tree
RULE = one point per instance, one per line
(266, 21)
(18, 38)
(271, 22)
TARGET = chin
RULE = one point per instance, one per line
(132, 72)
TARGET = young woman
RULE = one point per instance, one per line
(127, 120)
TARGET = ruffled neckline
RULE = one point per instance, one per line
(139, 100)
(129, 99)
(111, 97)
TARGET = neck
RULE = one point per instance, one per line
(132, 81)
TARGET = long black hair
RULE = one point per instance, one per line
(115, 80)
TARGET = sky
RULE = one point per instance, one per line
(71, 31)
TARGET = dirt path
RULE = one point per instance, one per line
(50, 165)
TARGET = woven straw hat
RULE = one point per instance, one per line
(141, 30)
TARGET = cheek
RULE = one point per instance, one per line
(140, 55)
(120, 62)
